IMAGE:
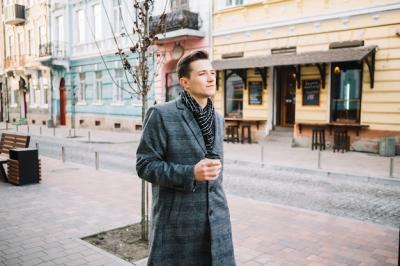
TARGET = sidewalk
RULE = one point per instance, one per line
(42, 224)
(275, 153)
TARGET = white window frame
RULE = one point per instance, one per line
(20, 37)
(118, 93)
(82, 88)
(80, 20)
(97, 22)
(118, 26)
(44, 97)
(98, 88)
(234, 3)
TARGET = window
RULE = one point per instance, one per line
(10, 45)
(14, 97)
(117, 95)
(80, 37)
(229, 3)
(234, 95)
(98, 86)
(44, 91)
(173, 87)
(60, 29)
(179, 4)
(31, 93)
(346, 92)
(118, 23)
(20, 44)
(30, 42)
(97, 29)
(82, 88)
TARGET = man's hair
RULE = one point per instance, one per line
(183, 66)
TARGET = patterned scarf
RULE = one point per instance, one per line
(205, 118)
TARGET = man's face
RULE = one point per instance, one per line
(201, 83)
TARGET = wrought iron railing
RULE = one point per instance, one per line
(175, 20)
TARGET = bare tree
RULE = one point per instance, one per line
(146, 57)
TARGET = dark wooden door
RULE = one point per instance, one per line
(287, 96)
(63, 106)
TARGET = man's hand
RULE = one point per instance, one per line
(207, 169)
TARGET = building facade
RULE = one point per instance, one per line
(187, 28)
(26, 81)
(91, 88)
(303, 64)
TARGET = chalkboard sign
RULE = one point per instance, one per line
(311, 92)
(255, 92)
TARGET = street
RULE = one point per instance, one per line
(366, 201)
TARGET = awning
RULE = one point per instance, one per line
(319, 58)
(329, 56)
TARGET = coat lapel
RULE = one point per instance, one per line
(192, 124)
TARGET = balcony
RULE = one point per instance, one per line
(14, 14)
(179, 24)
(53, 54)
(16, 61)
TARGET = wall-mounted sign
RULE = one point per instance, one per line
(255, 92)
(311, 89)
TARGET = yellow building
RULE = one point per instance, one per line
(310, 64)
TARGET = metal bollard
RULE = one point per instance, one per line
(54, 131)
(391, 167)
(6, 125)
(69, 133)
(88, 136)
(63, 154)
(40, 129)
(74, 133)
(96, 158)
(27, 128)
(319, 159)
(262, 155)
(37, 145)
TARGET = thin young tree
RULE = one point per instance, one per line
(142, 70)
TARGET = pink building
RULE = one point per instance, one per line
(187, 29)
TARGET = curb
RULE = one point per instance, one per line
(339, 175)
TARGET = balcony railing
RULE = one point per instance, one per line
(176, 20)
(16, 61)
(55, 50)
(14, 14)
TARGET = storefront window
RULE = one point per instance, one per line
(346, 92)
(234, 96)
(173, 87)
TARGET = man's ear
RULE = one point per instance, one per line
(184, 82)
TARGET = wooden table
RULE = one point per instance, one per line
(240, 120)
(331, 126)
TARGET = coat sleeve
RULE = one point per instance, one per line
(150, 157)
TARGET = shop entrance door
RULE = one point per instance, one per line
(286, 96)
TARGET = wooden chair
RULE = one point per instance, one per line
(318, 139)
(341, 140)
(246, 137)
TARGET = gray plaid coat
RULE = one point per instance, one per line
(190, 220)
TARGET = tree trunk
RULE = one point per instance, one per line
(145, 188)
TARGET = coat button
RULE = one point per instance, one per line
(210, 212)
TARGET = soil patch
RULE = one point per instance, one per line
(124, 242)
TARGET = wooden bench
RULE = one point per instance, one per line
(10, 141)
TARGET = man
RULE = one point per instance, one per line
(180, 153)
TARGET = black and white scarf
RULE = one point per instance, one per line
(205, 118)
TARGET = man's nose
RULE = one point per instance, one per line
(210, 77)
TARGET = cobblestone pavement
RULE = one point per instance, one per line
(42, 224)
(366, 201)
